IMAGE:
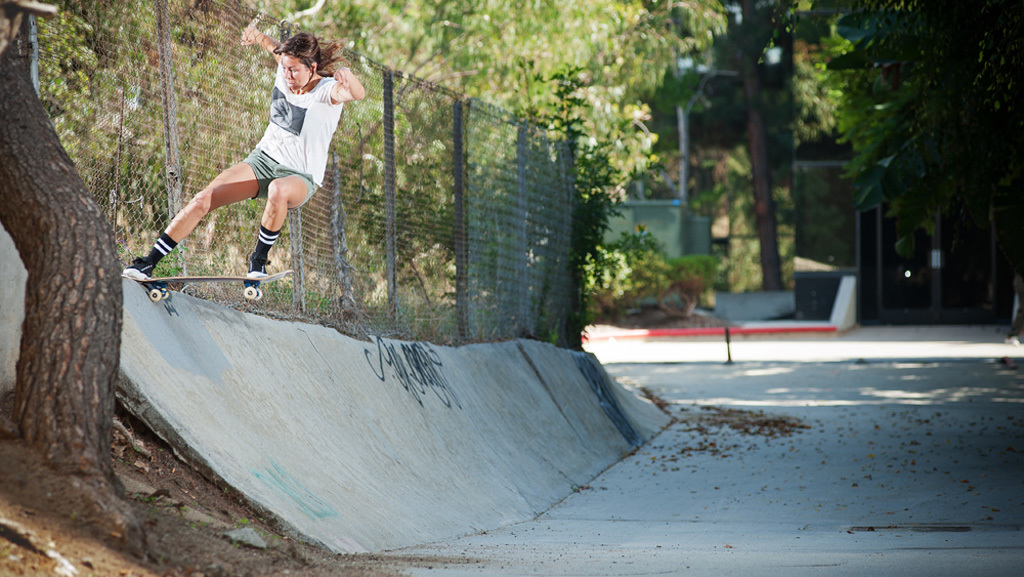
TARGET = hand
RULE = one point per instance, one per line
(348, 87)
(341, 75)
(250, 35)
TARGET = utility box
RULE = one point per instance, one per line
(679, 232)
(816, 291)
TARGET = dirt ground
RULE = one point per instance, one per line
(44, 531)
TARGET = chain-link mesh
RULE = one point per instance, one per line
(151, 107)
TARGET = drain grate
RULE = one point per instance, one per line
(916, 528)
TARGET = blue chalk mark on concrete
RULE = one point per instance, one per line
(282, 483)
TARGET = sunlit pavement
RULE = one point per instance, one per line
(911, 465)
(803, 342)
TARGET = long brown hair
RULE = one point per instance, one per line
(308, 50)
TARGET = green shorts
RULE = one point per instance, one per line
(267, 170)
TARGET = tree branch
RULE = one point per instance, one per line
(11, 12)
(307, 12)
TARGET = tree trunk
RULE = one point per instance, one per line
(764, 204)
(70, 344)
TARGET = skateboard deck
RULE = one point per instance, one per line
(157, 286)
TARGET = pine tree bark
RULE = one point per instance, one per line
(70, 345)
(757, 138)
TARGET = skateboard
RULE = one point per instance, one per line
(157, 286)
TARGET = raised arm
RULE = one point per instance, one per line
(347, 88)
(252, 36)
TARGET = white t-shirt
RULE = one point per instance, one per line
(301, 126)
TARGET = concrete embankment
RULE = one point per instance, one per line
(369, 445)
(365, 446)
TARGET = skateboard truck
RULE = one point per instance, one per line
(252, 290)
(157, 291)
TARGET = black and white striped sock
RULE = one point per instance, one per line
(266, 239)
(161, 248)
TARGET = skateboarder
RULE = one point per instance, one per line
(289, 161)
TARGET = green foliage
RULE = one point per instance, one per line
(594, 178)
(816, 99)
(621, 273)
(102, 90)
(793, 104)
(701, 267)
(932, 105)
(505, 52)
(633, 271)
(728, 198)
(70, 65)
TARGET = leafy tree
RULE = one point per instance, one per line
(564, 115)
(504, 51)
(816, 96)
(933, 109)
(745, 98)
(751, 39)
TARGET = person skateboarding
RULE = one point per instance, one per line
(288, 164)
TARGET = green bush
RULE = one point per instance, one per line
(691, 279)
(633, 272)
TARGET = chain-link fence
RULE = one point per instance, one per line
(440, 217)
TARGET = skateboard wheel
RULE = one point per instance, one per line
(252, 293)
(164, 294)
(156, 295)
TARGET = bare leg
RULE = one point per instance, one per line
(283, 194)
(235, 184)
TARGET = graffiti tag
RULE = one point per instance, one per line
(416, 366)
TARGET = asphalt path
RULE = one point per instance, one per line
(883, 451)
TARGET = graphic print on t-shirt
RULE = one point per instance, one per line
(285, 114)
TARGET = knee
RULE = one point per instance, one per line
(277, 194)
(201, 202)
(285, 194)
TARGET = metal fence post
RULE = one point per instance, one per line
(170, 112)
(338, 219)
(390, 218)
(567, 161)
(461, 255)
(33, 42)
(523, 321)
(298, 281)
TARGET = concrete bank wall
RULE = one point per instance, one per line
(12, 313)
(362, 446)
(367, 445)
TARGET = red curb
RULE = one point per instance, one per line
(703, 332)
